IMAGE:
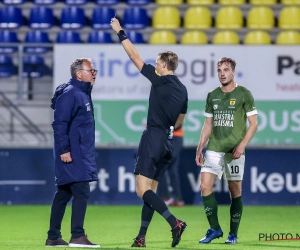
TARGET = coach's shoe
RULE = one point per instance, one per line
(231, 239)
(139, 242)
(177, 232)
(211, 235)
(82, 242)
(56, 243)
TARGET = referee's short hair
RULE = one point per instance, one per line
(170, 58)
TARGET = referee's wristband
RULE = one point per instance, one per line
(122, 36)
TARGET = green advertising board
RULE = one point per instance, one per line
(122, 122)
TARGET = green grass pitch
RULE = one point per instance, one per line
(114, 227)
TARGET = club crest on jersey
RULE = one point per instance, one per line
(232, 102)
(215, 106)
(88, 107)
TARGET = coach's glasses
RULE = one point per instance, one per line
(93, 71)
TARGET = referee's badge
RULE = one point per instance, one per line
(232, 102)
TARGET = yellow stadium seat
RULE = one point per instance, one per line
(200, 2)
(260, 17)
(169, 2)
(257, 38)
(262, 2)
(166, 17)
(289, 18)
(232, 2)
(197, 18)
(288, 38)
(290, 2)
(226, 37)
(163, 37)
(229, 18)
(194, 37)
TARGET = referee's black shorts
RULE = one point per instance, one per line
(154, 153)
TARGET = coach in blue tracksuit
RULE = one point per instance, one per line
(74, 152)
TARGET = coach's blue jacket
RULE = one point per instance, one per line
(74, 132)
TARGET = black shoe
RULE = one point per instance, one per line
(177, 232)
(139, 242)
(56, 243)
(82, 241)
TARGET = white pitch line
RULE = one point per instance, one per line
(23, 182)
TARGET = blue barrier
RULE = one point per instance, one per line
(272, 177)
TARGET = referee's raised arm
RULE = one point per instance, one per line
(127, 45)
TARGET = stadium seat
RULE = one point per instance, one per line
(7, 36)
(229, 18)
(260, 18)
(68, 36)
(11, 17)
(231, 2)
(41, 17)
(75, 2)
(101, 17)
(290, 2)
(72, 18)
(7, 68)
(288, 38)
(44, 2)
(226, 37)
(36, 36)
(169, 2)
(138, 2)
(163, 37)
(200, 2)
(135, 18)
(197, 17)
(194, 37)
(257, 38)
(106, 2)
(13, 2)
(135, 37)
(262, 2)
(34, 66)
(99, 36)
(289, 18)
(166, 17)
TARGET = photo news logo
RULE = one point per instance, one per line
(278, 236)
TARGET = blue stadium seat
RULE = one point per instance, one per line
(34, 66)
(72, 18)
(101, 17)
(138, 2)
(135, 37)
(135, 18)
(106, 2)
(44, 2)
(7, 68)
(99, 36)
(36, 36)
(13, 1)
(10, 17)
(68, 36)
(75, 2)
(7, 36)
(41, 17)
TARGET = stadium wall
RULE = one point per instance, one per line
(271, 177)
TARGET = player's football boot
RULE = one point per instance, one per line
(231, 239)
(211, 235)
(139, 242)
(177, 232)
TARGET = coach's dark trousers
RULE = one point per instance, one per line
(80, 192)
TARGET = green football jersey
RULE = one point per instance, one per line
(229, 112)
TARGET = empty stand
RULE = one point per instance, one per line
(169, 2)
(75, 2)
(36, 36)
(260, 17)
(288, 38)
(72, 18)
(99, 36)
(135, 18)
(197, 18)
(194, 37)
(257, 38)
(138, 2)
(101, 17)
(135, 37)
(289, 18)
(262, 2)
(166, 17)
(232, 2)
(226, 37)
(41, 17)
(13, 1)
(163, 37)
(290, 2)
(44, 2)
(229, 18)
(200, 2)
(7, 68)
(107, 2)
(34, 66)
(7, 36)
(10, 17)
(68, 36)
